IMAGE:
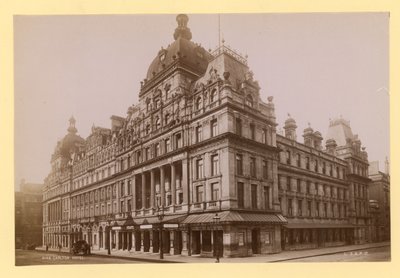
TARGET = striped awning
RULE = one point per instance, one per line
(154, 219)
(317, 225)
(237, 217)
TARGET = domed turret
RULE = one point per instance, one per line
(290, 128)
(182, 49)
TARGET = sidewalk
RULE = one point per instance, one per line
(267, 258)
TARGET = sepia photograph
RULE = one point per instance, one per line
(202, 138)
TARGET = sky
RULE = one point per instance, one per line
(317, 66)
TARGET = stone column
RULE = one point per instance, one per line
(142, 241)
(133, 241)
(173, 184)
(185, 181)
(117, 240)
(171, 242)
(134, 194)
(151, 241)
(162, 185)
(143, 190)
(104, 240)
(123, 241)
(185, 243)
(152, 189)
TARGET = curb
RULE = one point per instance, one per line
(110, 256)
(328, 253)
(153, 260)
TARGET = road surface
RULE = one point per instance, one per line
(379, 254)
(31, 257)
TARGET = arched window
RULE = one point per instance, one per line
(199, 103)
(166, 118)
(148, 105)
(249, 100)
(158, 123)
(213, 96)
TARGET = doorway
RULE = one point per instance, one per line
(255, 241)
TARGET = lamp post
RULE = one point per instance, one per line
(160, 215)
(216, 220)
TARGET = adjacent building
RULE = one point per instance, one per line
(379, 198)
(199, 157)
(28, 215)
(323, 191)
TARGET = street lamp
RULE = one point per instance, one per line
(160, 215)
(216, 220)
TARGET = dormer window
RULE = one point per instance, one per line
(148, 105)
(162, 56)
(213, 96)
(157, 103)
(167, 118)
(199, 103)
(249, 100)
(158, 123)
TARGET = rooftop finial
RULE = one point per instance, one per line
(182, 31)
(72, 128)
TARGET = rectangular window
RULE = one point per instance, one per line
(323, 167)
(238, 126)
(288, 183)
(148, 155)
(122, 189)
(325, 210)
(266, 197)
(122, 209)
(178, 140)
(298, 160)
(169, 199)
(308, 187)
(138, 159)
(129, 203)
(264, 136)
(309, 208)
(253, 167)
(199, 133)
(240, 188)
(180, 197)
(289, 207)
(214, 191)
(265, 169)
(299, 185)
(307, 163)
(239, 164)
(299, 207)
(167, 145)
(317, 209)
(214, 128)
(129, 187)
(199, 168)
(157, 149)
(252, 132)
(288, 157)
(254, 196)
(214, 165)
(199, 194)
(316, 166)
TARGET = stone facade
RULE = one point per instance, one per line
(28, 215)
(198, 161)
(379, 198)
